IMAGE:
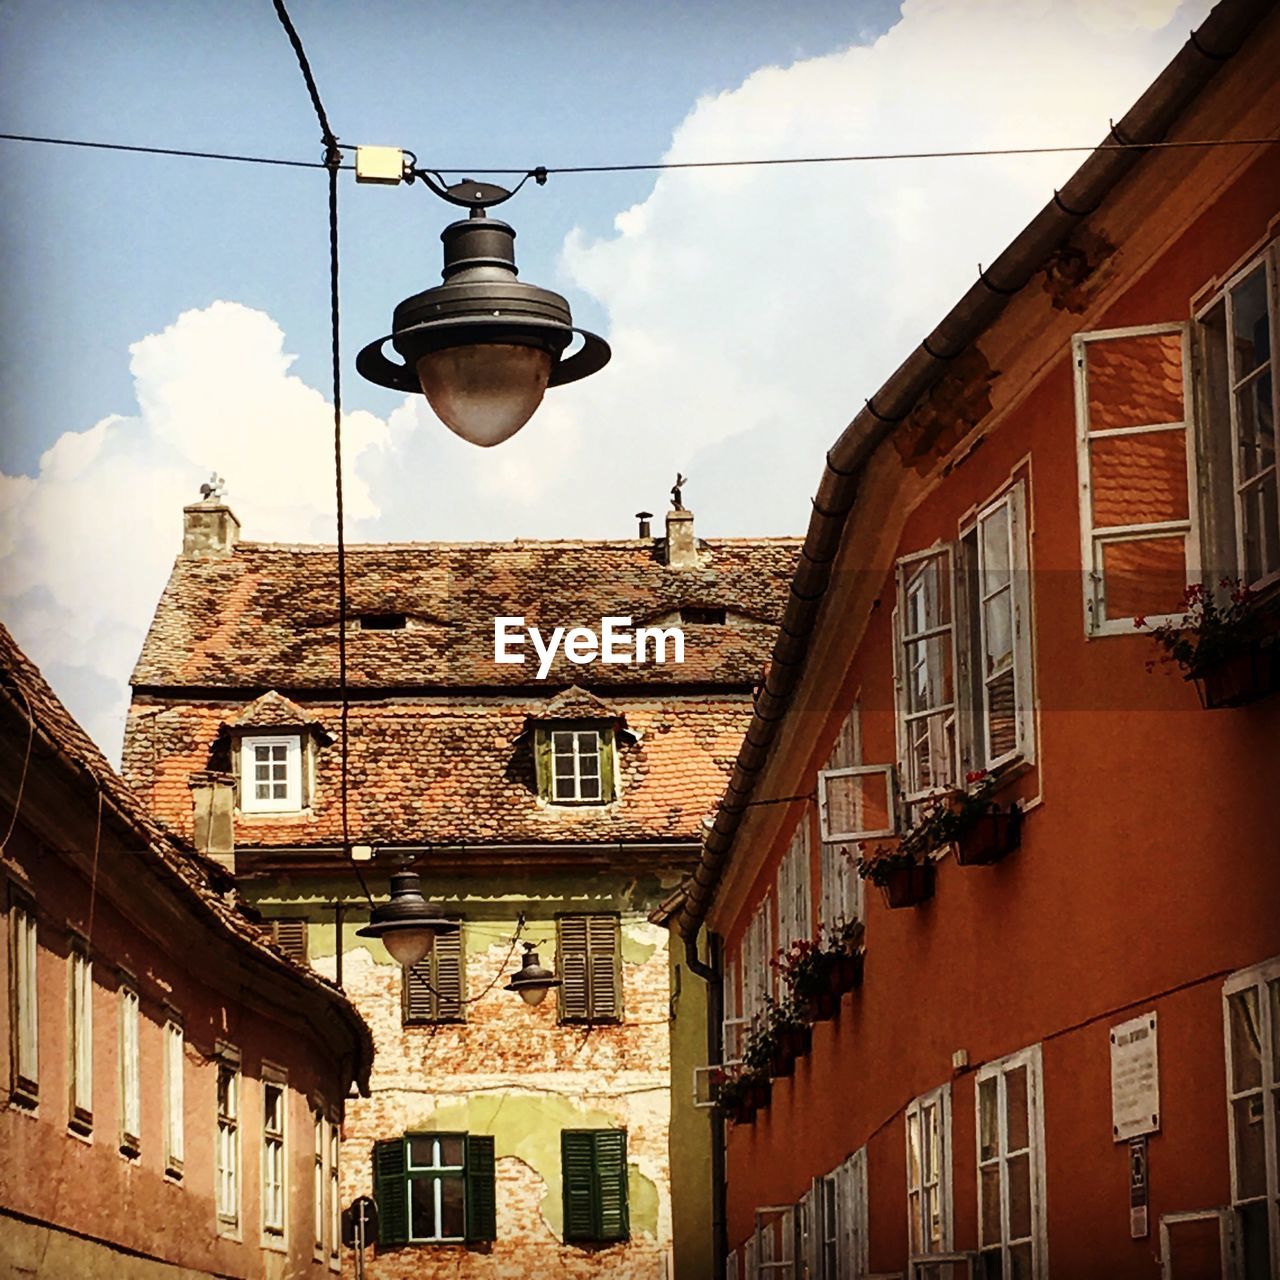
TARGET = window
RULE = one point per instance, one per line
(594, 1165)
(964, 665)
(290, 935)
(174, 1057)
(1240, 404)
(757, 975)
(81, 1025)
(1252, 1014)
(996, 654)
(846, 814)
(776, 1243)
(130, 1080)
(589, 963)
(733, 1032)
(273, 1159)
(318, 1180)
(435, 1188)
(576, 765)
(335, 1198)
(1137, 474)
(24, 1003)
(227, 1167)
(795, 915)
(271, 775)
(929, 1173)
(1011, 1225)
(926, 673)
(841, 1228)
(431, 990)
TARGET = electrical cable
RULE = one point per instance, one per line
(26, 761)
(332, 164)
(659, 166)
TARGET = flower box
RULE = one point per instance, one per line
(1239, 679)
(846, 973)
(992, 837)
(908, 886)
(821, 1007)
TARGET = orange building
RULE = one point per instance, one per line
(1064, 1060)
(172, 1085)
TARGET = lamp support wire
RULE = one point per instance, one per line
(333, 164)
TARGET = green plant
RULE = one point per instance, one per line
(805, 968)
(945, 819)
(1208, 632)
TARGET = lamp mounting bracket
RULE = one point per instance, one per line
(469, 194)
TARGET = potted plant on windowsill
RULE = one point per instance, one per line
(902, 873)
(805, 969)
(788, 1038)
(1223, 649)
(845, 944)
(978, 829)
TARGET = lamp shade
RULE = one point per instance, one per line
(483, 346)
(407, 923)
(533, 979)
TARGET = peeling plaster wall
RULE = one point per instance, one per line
(513, 1071)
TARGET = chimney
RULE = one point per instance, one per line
(646, 529)
(213, 799)
(210, 530)
(682, 546)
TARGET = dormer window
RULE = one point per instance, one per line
(271, 774)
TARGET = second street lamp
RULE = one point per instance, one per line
(484, 346)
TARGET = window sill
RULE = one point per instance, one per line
(25, 1097)
(173, 1173)
(81, 1126)
(230, 1231)
(130, 1148)
(274, 1242)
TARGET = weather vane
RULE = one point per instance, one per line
(676, 492)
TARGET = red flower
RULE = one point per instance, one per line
(1139, 623)
(975, 775)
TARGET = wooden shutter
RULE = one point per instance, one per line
(611, 1184)
(608, 785)
(390, 1191)
(575, 1002)
(290, 935)
(604, 966)
(432, 990)
(482, 1206)
(577, 1159)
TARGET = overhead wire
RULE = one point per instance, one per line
(657, 166)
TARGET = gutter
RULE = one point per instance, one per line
(1217, 39)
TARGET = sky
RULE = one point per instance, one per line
(166, 318)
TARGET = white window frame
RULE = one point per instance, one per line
(24, 1001)
(932, 1109)
(335, 1196)
(776, 1242)
(858, 832)
(1228, 1248)
(976, 749)
(319, 1182)
(80, 1022)
(436, 1172)
(1093, 540)
(1268, 259)
(794, 888)
(948, 712)
(291, 801)
(227, 1163)
(841, 887)
(130, 1067)
(1031, 1059)
(757, 974)
(1259, 977)
(854, 1217)
(274, 1169)
(735, 1024)
(573, 794)
(174, 1094)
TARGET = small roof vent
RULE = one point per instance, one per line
(383, 621)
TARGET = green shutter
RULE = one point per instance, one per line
(611, 1184)
(391, 1192)
(482, 1206)
(542, 760)
(571, 965)
(577, 1158)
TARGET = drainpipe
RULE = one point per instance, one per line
(711, 975)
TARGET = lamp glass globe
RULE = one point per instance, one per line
(487, 392)
(408, 946)
(533, 995)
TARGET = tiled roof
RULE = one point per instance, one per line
(450, 771)
(265, 616)
(577, 703)
(197, 882)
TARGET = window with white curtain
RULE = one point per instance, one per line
(174, 1095)
(24, 1002)
(130, 1078)
(81, 1028)
(274, 1100)
(227, 1153)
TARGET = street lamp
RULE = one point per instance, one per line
(533, 979)
(484, 346)
(407, 923)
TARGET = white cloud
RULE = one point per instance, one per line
(751, 312)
